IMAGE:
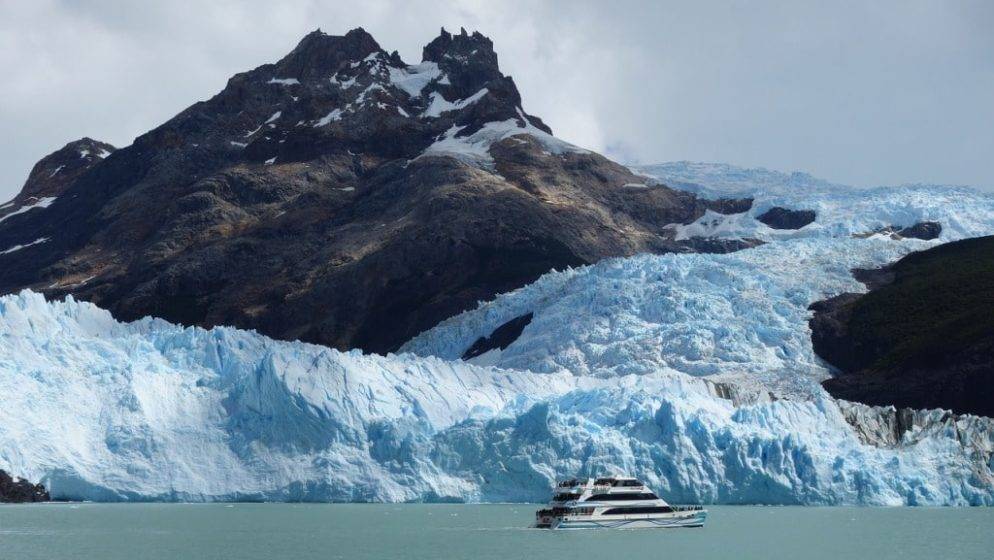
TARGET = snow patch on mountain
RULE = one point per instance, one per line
(24, 246)
(414, 78)
(474, 149)
(43, 202)
(440, 105)
(333, 115)
(713, 224)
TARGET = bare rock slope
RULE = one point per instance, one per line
(339, 196)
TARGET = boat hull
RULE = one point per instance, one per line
(696, 519)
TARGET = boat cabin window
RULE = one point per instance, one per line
(638, 509)
(617, 483)
(622, 497)
(564, 497)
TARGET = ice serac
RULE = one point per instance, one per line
(341, 196)
(102, 410)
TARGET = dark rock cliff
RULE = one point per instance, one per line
(923, 337)
(20, 491)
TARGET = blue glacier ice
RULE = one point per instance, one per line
(742, 316)
(693, 372)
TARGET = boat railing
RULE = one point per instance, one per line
(687, 508)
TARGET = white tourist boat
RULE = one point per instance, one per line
(613, 502)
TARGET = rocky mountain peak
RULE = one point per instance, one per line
(468, 59)
(338, 196)
(319, 55)
(335, 94)
(55, 172)
(464, 48)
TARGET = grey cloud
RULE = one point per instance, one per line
(857, 92)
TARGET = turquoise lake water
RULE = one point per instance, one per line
(479, 532)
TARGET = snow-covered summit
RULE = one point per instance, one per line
(347, 90)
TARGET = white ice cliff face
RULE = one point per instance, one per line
(102, 410)
(657, 366)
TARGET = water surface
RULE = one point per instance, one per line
(478, 532)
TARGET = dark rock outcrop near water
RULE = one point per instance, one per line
(784, 218)
(339, 196)
(922, 338)
(16, 490)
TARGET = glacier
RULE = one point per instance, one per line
(102, 410)
(692, 372)
(740, 316)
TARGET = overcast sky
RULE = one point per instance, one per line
(865, 93)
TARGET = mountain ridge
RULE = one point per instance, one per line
(343, 197)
